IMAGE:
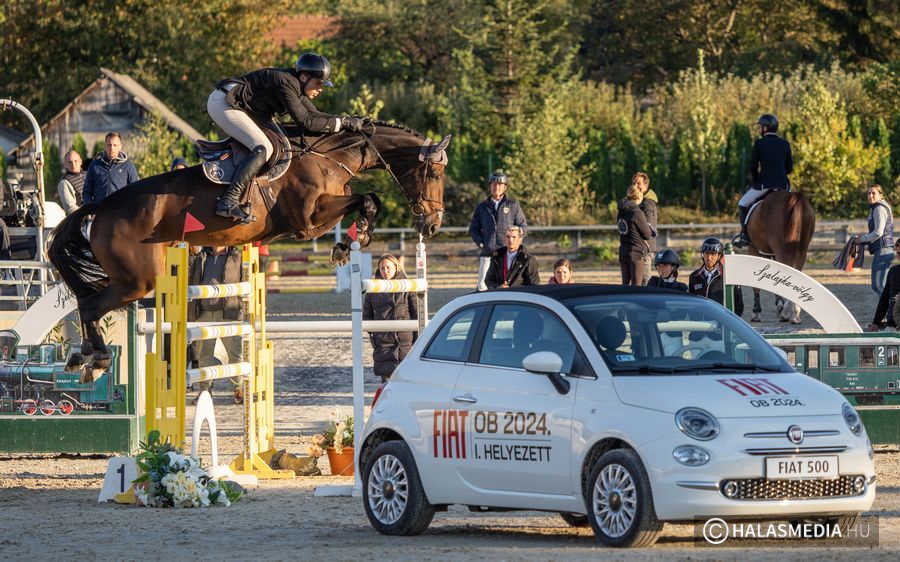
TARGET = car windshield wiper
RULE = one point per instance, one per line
(643, 370)
(727, 366)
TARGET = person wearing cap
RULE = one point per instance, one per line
(490, 222)
(708, 280)
(237, 104)
(770, 164)
(667, 263)
(178, 164)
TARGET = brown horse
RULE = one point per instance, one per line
(781, 228)
(126, 250)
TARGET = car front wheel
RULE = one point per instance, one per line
(620, 502)
(393, 495)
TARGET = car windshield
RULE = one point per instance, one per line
(657, 334)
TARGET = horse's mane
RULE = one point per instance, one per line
(380, 123)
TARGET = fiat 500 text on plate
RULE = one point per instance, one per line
(619, 408)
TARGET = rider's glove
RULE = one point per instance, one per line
(350, 123)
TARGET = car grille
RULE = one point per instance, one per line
(763, 489)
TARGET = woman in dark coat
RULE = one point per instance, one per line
(634, 236)
(389, 348)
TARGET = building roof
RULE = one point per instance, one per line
(291, 29)
(10, 138)
(141, 96)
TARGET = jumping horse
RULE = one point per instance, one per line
(115, 259)
(781, 227)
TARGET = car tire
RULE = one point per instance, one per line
(393, 495)
(620, 502)
(575, 519)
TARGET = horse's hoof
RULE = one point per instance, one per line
(782, 319)
(795, 321)
(755, 318)
(100, 361)
(340, 254)
(75, 363)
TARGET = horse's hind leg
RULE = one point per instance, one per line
(757, 308)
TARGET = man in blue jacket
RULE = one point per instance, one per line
(109, 172)
(490, 221)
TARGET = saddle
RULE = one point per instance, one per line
(223, 158)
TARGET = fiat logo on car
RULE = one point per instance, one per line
(795, 434)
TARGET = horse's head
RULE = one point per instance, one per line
(418, 166)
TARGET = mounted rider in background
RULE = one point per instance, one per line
(237, 105)
(770, 164)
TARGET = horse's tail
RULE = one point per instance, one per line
(796, 240)
(70, 252)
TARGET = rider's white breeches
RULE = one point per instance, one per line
(236, 123)
(752, 196)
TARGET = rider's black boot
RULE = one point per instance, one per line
(229, 203)
(742, 240)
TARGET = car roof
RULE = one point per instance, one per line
(580, 290)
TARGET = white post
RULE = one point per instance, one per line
(422, 296)
(357, 348)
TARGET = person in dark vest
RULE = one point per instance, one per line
(489, 223)
(880, 238)
(634, 236)
(770, 164)
(650, 206)
(238, 104)
(667, 263)
(214, 266)
(109, 172)
(511, 265)
(71, 185)
(708, 280)
(389, 348)
(886, 313)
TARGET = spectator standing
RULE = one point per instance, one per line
(667, 264)
(562, 272)
(885, 311)
(880, 238)
(109, 172)
(490, 221)
(213, 266)
(634, 236)
(71, 185)
(708, 280)
(389, 348)
(650, 206)
(511, 265)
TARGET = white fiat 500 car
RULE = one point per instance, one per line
(622, 408)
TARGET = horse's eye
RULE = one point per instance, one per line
(434, 175)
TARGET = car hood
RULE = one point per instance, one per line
(731, 395)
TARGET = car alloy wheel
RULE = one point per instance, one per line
(388, 489)
(615, 500)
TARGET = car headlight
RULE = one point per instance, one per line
(697, 424)
(690, 455)
(851, 418)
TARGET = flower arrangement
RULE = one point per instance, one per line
(338, 433)
(170, 479)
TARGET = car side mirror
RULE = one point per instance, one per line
(550, 364)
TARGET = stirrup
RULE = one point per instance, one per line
(236, 212)
(740, 241)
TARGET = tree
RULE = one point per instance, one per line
(79, 146)
(155, 146)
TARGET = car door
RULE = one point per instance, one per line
(520, 426)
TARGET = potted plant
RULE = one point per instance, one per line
(337, 441)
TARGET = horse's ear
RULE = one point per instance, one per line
(438, 152)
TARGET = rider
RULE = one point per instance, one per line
(708, 280)
(770, 164)
(238, 104)
(667, 263)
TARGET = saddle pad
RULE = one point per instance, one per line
(222, 171)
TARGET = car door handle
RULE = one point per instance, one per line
(467, 398)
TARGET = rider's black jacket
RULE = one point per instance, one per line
(771, 162)
(267, 92)
(714, 288)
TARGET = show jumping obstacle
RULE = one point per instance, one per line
(167, 380)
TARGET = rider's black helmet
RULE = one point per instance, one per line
(712, 245)
(667, 256)
(769, 121)
(316, 66)
(499, 176)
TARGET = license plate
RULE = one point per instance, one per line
(792, 468)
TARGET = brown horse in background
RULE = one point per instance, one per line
(781, 228)
(132, 227)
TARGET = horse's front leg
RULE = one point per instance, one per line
(757, 308)
(332, 208)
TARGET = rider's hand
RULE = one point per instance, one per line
(351, 123)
